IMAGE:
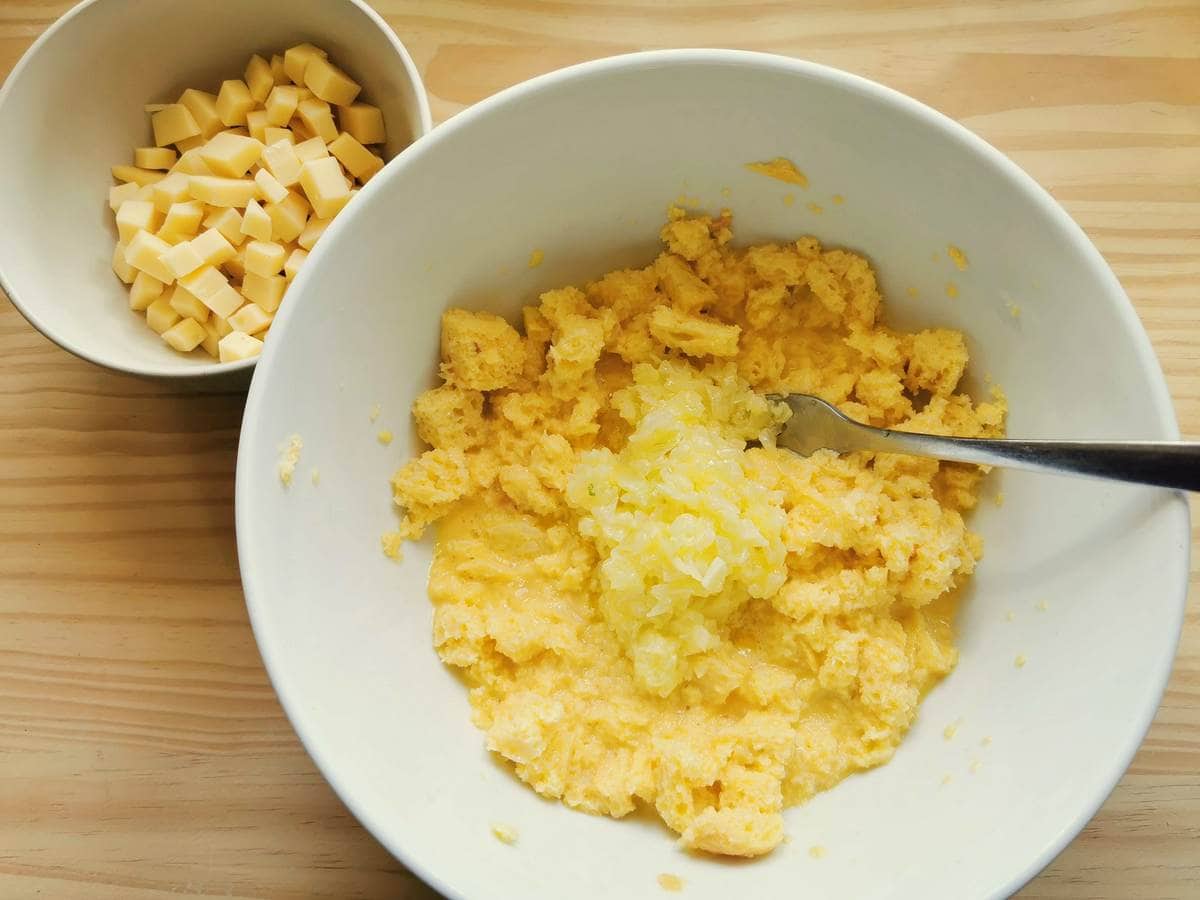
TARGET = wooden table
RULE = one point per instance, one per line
(142, 751)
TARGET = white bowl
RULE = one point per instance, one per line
(72, 108)
(582, 164)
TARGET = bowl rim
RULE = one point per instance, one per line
(1159, 399)
(205, 369)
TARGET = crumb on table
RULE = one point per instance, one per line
(1020, 661)
(385, 437)
(505, 834)
(816, 851)
(780, 169)
(289, 458)
(669, 882)
(375, 411)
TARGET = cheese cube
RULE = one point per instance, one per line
(281, 161)
(228, 221)
(213, 289)
(120, 193)
(318, 117)
(230, 154)
(236, 268)
(145, 191)
(363, 121)
(234, 101)
(273, 135)
(190, 163)
(258, 78)
(145, 253)
(357, 159)
(222, 325)
(300, 132)
(296, 60)
(182, 219)
(312, 232)
(292, 267)
(251, 318)
(134, 175)
(265, 290)
(154, 157)
(135, 216)
(173, 123)
(277, 70)
(217, 191)
(182, 259)
(203, 107)
(237, 345)
(325, 186)
(289, 217)
(185, 335)
(269, 186)
(144, 291)
(175, 188)
(121, 266)
(190, 143)
(329, 82)
(256, 222)
(310, 149)
(160, 316)
(213, 248)
(187, 304)
(281, 104)
(211, 338)
(264, 258)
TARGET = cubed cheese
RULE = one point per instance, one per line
(134, 175)
(160, 316)
(292, 267)
(185, 335)
(312, 232)
(135, 216)
(236, 268)
(182, 259)
(182, 219)
(230, 155)
(144, 291)
(264, 258)
(274, 135)
(256, 222)
(258, 78)
(325, 186)
(296, 60)
(173, 123)
(281, 161)
(212, 247)
(217, 191)
(269, 186)
(190, 163)
(256, 124)
(203, 107)
(213, 289)
(277, 70)
(357, 159)
(289, 217)
(175, 188)
(154, 157)
(265, 290)
(228, 221)
(363, 121)
(145, 254)
(317, 116)
(190, 143)
(118, 194)
(310, 149)
(237, 345)
(281, 104)
(300, 131)
(330, 83)
(212, 340)
(187, 304)
(251, 318)
(234, 101)
(121, 266)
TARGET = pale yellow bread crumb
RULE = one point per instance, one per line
(669, 882)
(385, 437)
(951, 730)
(289, 458)
(958, 257)
(505, 834)
(1020, 661)
(816, 851)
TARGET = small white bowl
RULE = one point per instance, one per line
(73, 107)
(582, 165)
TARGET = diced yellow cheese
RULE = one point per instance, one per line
(187, 304)
(135, 216)
(213, 248)
(312, 232)
(133, 174)
(256, 222)
(258, 78)
(154, 157)
(237, 345)
(296, 60)
(292, 267)
(277, 70)
(357, 159)
(211, 338)
(182, 219)
(145, 253)
(175, 188)
(236, 268)
(265, 290)
(330, 83)
(145, 191)
(281, 104)
(274, 135)
(228, 221)
(185, 335)
(363, 121)
(310, 149)
(234, 102)
(190, 163)
(230, 154)
(217, 191)
(121, 266)
(300, 132)
(118, 194)
(213, 289)
(190, 143)
(223, 326)
(281, 161)
(182, 259)
(173, 123)
(160, 316)
(325, 186)
(251, 318)
(144, 291)
(317, 115)
(269, 186)
(203, 107)
(289, 217)
(264, 258)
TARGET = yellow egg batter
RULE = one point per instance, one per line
(650, 612)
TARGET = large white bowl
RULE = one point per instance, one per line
(582, 164)
(72, 108)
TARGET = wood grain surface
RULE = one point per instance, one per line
(142, 751)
